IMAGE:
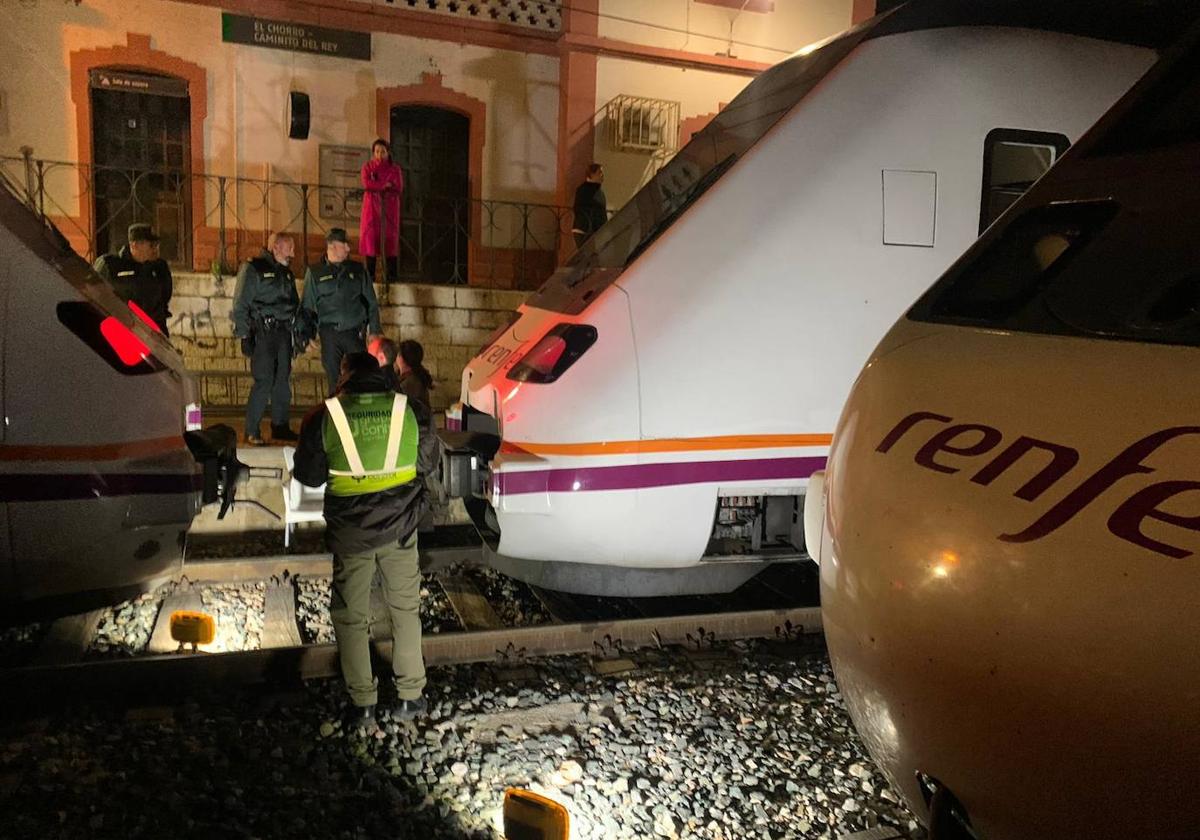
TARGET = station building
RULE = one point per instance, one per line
(219, 122)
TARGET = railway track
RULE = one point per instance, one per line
(608, 630)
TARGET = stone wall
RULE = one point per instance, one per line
(452, 322)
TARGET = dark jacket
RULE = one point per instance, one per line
(411, 386)
(591, 207)
(147, 284)
(357, 524)
(340, 296)
(265, 288)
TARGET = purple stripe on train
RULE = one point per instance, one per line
(634, 476)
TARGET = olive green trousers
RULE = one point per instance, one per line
(350, 609)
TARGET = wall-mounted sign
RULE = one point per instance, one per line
(341, 190)
(296, 37)
(137, 82)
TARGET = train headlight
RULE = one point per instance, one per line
(558, 350)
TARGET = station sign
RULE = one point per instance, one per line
(137, 82)
(295, 37)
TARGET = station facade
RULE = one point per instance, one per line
(178, 113)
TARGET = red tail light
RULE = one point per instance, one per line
(557, 351)
(108, 337)
(130, 349)
(146, 319)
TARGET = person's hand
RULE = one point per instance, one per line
(247, 346)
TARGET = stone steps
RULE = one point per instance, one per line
(451, 322)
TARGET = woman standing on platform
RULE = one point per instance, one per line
(383, 183)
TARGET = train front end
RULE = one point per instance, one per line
(99, 486)
(1012, 517)
(546, 453)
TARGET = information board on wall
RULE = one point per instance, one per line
(341, 190)
(296, 37)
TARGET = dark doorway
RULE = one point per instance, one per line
(141, 128)
(432, 145)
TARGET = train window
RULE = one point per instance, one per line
(1166, 115)
(111, 339)
(692, 171)
(1012, 160)
(1089, 269)
(1006, 276)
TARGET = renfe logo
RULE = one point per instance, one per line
(970, 440)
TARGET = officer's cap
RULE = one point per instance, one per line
(336, 235)
(142, 232)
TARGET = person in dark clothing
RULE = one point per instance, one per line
(415, 380)
(339, 304)
(369, 446)
(264, 310)
(139, 276)
(591, 207)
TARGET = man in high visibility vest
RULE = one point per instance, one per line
(372, 448)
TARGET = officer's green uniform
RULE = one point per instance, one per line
(147, 284)
(370, 441)
(339, 298)
(264, 308)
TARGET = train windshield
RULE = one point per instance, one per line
(696, 167)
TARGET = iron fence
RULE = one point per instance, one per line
(212, 222)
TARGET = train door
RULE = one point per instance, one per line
(141, 129)
(432, 146)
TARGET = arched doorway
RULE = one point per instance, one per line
(433, 147)
(141, 156)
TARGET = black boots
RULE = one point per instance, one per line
(283, 433)
(361, 718)
(409, 709)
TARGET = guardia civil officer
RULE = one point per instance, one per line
(264, 310)
(339, 301)
(368, 445)
(139, 275)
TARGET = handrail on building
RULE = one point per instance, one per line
(212, 222)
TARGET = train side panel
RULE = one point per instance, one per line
(98, 483)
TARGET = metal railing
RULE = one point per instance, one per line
(213, 222)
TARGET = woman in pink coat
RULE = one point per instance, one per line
(384, 185)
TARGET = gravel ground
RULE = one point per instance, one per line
(125, 629)
(312, 612)
(754, 743)
(513, 600)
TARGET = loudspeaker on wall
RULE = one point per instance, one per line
(298, 112)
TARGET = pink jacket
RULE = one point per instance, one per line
(384, 183)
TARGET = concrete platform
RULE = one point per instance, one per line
(268, 492)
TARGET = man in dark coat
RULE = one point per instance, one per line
(139, 276)
(264, 310)
(339, 302)
(591, 206)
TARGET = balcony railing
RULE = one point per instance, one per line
(213, 222)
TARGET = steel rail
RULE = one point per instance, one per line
(151, 677)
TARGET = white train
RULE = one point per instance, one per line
(97, 485)
(659, 405)
(1008, 552)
